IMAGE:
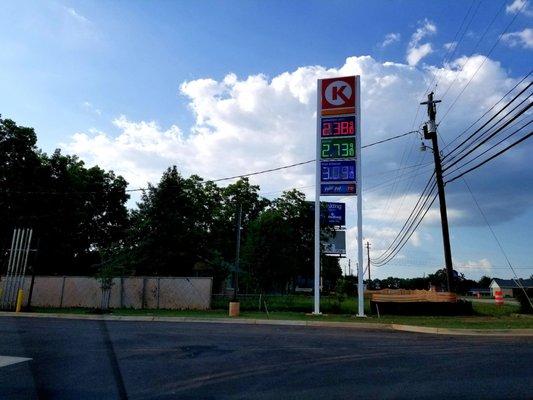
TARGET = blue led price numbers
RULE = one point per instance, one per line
(338, 148)
(339, 171)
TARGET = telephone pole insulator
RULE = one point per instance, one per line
(430, 133)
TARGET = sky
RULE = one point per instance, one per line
(226, 88)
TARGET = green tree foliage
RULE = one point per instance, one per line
(484, 282)
(76, 212)
(168, 230)
(280, 243)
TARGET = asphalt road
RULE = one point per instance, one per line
(73, 359)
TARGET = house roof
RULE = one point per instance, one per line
(511, 283)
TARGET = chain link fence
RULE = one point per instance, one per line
(174, 293)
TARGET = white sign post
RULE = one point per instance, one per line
(338, 160)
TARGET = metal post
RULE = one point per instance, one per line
(317, 209)
(359, 188)
(237, 254)
(22, 278)
(368, 259)
(431, 133)
(15, 266)
(9, 267)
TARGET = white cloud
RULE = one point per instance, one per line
(479, 266)
(519, 6)
(256, 122)
(88, 106)
(76, 15)
(415, 54)
(415, 50)
(523, 38)
(390, 38)
(450, 46)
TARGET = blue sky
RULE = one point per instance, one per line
(118, 82)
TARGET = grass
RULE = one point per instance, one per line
(486, 316)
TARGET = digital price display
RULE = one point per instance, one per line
(337, 148)
(335, 189)
(340, 126)
(340, 171)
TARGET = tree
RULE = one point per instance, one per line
(268, 251)
(485, 281)
(279, 247)
(171, 228)
(76, 212)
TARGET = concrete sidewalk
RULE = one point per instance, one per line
(253, 321)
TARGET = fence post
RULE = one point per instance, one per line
(61, 295)
(143, 292)
(121, 292)
(158, 286)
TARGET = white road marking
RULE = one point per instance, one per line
(7, 360)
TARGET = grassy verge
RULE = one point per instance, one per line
(487, 316)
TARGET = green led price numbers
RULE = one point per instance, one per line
(338, 148)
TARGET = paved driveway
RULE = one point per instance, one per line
(75, 359)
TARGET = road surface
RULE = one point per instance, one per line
(76, 359)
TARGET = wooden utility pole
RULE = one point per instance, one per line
(368, 258)
(430, 133)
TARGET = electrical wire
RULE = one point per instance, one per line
(413, 228)
(517, 280)
(491, 157)
(492, 147)
(489, 110)
(481, 64)
(413, 216)
(456, 159)
(225, 178)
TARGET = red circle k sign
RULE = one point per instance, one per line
(338, 93)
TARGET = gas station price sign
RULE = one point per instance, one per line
(337, 148)
(337, 171)
(339, 126)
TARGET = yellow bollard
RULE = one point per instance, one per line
(20, 297)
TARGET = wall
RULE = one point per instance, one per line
(127, 292)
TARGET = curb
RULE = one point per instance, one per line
(281, 322)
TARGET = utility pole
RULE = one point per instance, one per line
(430, 132)
(237, 256)
(368, 259)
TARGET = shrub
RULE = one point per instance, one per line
(525, 303)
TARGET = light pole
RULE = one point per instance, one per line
(237, 255)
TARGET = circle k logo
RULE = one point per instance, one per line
(338, 92)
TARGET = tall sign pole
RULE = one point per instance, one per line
(316, 309)
(338, 161)
(360, 272)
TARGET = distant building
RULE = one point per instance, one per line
(509, 286)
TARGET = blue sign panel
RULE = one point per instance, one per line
(337, 171)
(336, 214)
(337, 189)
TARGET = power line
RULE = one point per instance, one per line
(487, 150)
(481, 64)
(517, 280)
(225, 178)
(408, 235)
(453, 50)
(491, 157)
(474, 49)
(489, 110)
(480, 141)
(413, 216)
